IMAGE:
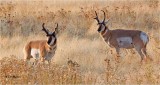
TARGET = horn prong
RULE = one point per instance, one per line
(97, 17)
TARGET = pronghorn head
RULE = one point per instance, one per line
(51, 35)
(102, 25)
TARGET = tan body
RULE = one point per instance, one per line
(42, 46)
(111, 37)
(42, 49)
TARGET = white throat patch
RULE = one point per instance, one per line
(106, 31)
(103, 28)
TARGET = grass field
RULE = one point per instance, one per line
(78, 41)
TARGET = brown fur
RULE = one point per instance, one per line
(114, 34)
(111, 36)
(42, 45)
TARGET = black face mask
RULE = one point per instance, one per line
(99, 29)
(50, 37)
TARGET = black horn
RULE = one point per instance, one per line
(56, 29)
(44, 29)
(104, 16)
(57, 25)
(97, 17)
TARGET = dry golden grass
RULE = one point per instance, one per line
(82, 57)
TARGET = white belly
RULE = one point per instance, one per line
(36, 53)
(125, 42)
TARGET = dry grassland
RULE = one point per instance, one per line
(81, 51)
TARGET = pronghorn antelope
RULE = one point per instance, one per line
(42, 49)
(120, 38)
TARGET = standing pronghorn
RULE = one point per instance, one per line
(42, 49)
(120, 38)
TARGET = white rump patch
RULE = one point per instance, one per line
(144, 37)
(124, 42)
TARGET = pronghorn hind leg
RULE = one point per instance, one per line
(27, 58)
(139, 50)
(138, 45)
(146, 55)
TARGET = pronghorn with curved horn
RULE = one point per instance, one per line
(42, 49)
(120, 38)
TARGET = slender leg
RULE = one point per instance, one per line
(111, 51)
(42, 56)
(27, 59)
(35, 62)
(145, 53)
(118, 54)
(138, 49)
(132, 51)
(139, 45)
(49, 63)
(35, 59)
(43, 61)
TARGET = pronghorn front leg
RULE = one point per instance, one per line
(117, 54)
(42, 55)
(49, 63)
(35, 62)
